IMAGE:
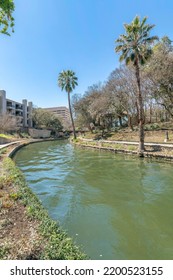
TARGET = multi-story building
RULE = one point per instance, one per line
(61, 112)
(23, 111)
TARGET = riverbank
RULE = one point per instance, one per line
(152, 150)
(26, 230)
(101, 201)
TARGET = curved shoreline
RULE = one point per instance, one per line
(21, 145)
(83, 157)
(27, 205)
(99, 145)
(27, 231)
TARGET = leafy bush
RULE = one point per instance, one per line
(153, 126)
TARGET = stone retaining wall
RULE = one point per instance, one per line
(39, 133)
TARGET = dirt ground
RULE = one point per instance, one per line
(150, 136)
(127, 135)
(18, 233)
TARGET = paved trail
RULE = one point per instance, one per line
(131, 143)
(9, 144)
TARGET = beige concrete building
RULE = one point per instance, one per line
(22, 111)
(61, 112)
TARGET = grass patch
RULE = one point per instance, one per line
(75, 140)
(7, 136)
(3, 151)
(101, 144)
(152, 134)
(4, 251)
(116, 146)
(131, 148)
(153, 126)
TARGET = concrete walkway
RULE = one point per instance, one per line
(27, 141)
(91, 140)
(129, 143)
(9, 144)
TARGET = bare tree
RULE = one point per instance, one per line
(9, 123)
(159, 72)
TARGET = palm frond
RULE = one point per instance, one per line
(67, 80)
(135, 44)
(119, 48)
(136, 20)
(128, 60)
(143, 21)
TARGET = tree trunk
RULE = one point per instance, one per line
(151, 112)
(120, 121)
(166, 116)
(137, 110)
(90, 128)
(140, 113)
(130, 122)
(71, 116)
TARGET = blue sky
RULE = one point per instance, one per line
(55, 35)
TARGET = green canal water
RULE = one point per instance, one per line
(114, 206)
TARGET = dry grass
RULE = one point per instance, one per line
(150, 136)
(154, 136)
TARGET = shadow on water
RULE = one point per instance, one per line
(115, 206)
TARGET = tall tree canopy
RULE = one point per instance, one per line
(67, 81)
(45, 119)
(6, 19)
(136, 47)
(160, 74)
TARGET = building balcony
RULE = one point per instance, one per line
(10, 106)
(19, 109)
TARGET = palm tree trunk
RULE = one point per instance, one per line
(71, 116)
(140, 113)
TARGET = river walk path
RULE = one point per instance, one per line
(91, 140)
(129, 142)
(153, 149)
(2, 146)
(165, 145)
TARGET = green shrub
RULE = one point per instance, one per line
(131, 148)
(6, 136)
(3, 151)
(4, 249)
(153, 126)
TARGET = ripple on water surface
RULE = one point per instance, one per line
(115, 206)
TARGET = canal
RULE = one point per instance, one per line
(114, 206)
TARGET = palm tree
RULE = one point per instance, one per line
(67, 80)
(136, 47)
